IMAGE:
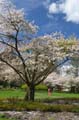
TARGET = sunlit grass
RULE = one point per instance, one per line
(18, 93)
(12, 93)
(44, 95)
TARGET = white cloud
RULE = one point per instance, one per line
(68, 7)
(53, 8)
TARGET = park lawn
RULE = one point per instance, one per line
(11, 93)
(18, 93)
(44, 95)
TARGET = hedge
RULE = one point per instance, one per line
(38, 87)
(20, 105)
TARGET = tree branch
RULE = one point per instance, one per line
(50, 71)
(26, 72)
(27, 75)
(7, 44)
(43, 73)
(18, 72)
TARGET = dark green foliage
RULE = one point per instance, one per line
(13, 84)
(60, 100)
(3, 83)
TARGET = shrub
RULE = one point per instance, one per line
(41, 87)
(38, 87)
(20, 105)
(24, 87)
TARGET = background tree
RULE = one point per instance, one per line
(32, 61)
(75, 64)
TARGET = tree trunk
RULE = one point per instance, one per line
(73, 89)
(30, 93)
(76, 72)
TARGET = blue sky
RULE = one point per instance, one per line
(52, 15)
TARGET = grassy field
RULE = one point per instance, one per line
(5, 93)
(44, 94)
(40, 103)
(38, 95)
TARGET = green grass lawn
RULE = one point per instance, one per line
(5, 93)
(39, 104)
(56, 95)
(44, 95)
(38, 95)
